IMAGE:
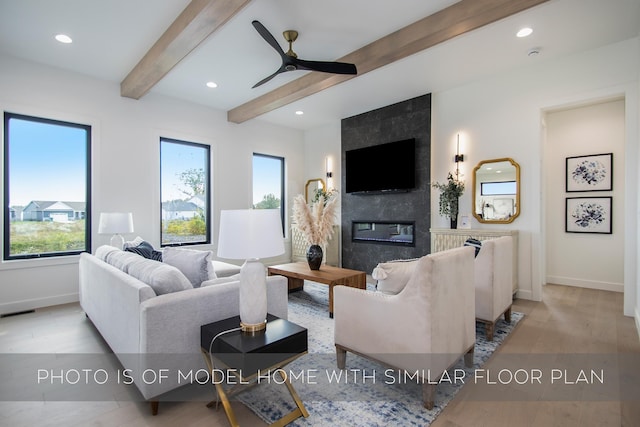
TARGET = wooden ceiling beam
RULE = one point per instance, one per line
(457, 19)
(196, 22)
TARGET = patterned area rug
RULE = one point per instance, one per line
(370, 395)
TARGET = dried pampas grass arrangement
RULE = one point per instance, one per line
(315, 222)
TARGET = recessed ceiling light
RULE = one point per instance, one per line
(299, 113)
(524, 32)
(63, 38)
(212, 85)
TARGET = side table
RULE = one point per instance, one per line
(248, 356)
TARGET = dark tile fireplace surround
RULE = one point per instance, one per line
(375, 227)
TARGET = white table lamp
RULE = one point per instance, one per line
(116, 223)
(251, 234)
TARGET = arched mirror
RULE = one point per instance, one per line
(496, 191)
(311, 187)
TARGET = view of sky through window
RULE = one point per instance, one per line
(48, 162)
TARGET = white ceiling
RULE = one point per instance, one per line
(111, 36)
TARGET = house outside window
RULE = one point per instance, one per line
(268, 183)
(184, 192)
(47, 187)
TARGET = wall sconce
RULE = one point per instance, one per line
(327, 168)
(458, 157)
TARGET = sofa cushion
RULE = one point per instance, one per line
(163, 278)
(224, 269)
(121, 259)
(392, 276)
(103, 252)
(194, 264)
(220, 280)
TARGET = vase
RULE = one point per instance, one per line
(314, 257)
(454, 217)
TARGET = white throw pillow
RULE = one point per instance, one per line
(194, 264)
(163, 278)
(393, 276)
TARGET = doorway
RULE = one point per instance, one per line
(584, 219)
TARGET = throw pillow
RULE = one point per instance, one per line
(162, 278)
(132, 243)
(477, 244)
(194, 264)
(146, 250)
(393, 276)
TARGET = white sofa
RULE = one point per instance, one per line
(425, 328)
(149, 331)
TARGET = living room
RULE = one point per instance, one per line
(495, 115)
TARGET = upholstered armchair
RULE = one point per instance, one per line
(425, 328)
(494, 282)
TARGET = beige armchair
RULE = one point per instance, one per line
(494, 282)
(425, 328)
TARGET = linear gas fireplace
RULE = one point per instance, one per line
(385, 232)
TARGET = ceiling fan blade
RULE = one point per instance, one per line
(268, 37)
(326, 67)
(266, 79)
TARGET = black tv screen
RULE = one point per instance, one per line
(381, 168)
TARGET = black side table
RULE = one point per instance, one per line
(248, 355)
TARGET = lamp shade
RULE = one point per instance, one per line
(115, 223)
(250, 233)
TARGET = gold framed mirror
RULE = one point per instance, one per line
(310, 188)
(496, 191)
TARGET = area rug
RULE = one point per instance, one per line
(366, 394)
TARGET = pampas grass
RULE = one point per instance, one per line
(315, 221)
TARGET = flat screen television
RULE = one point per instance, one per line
(389, 167)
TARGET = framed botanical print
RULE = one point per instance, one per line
(589, 173)
(588, 215)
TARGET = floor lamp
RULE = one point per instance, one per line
(251, 234)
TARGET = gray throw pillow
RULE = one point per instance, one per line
(163, 278)
(194, 264)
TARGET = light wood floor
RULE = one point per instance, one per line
(568, 320)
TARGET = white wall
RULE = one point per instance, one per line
(126, 162)
(501, 117)
(577, 259)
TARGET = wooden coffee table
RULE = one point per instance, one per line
(297, 272)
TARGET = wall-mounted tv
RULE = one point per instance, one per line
(389, 167)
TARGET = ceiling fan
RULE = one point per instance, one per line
(290, 61)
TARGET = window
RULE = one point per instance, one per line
(47, 187)
(498, 188)
(268, 183)
(184, 193)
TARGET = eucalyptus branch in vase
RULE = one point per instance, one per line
(450, 192)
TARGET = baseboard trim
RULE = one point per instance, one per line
(524, 294)
(589, 284)
(32, 304)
